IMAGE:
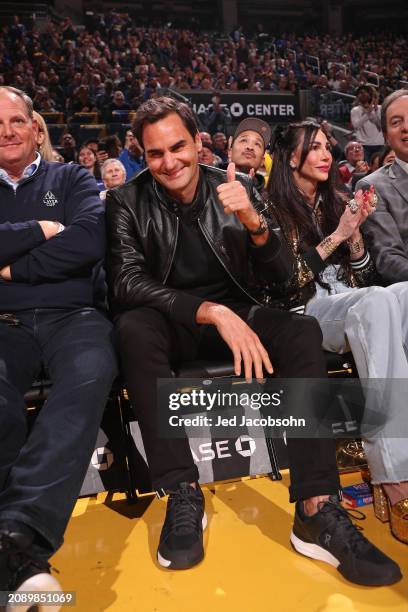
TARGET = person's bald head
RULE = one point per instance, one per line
(16, 94)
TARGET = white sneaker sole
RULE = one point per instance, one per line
(313, 551)
(165, 562)
(36, 584)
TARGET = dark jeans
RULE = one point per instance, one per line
(150, 345)
(41, 476)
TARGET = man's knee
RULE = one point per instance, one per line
(141, 330)
(302, 330)
(308, 329)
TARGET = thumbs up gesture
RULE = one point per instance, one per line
(234, 198)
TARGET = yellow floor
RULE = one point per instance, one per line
(109, 558)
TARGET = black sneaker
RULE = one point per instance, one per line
(330, 536)
(21, 571)
(181, 539)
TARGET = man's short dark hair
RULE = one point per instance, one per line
(28, 103)
(400, 93)
(156, 109)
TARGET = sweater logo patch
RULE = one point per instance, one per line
(49, 199)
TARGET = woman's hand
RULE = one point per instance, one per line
(363, 204)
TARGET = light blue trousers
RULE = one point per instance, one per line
(373, 324)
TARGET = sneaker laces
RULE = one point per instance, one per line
(19, 560)
(183, 503)
(343, 518)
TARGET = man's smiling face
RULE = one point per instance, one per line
(397, 127)
(172, 156)
(18, 133)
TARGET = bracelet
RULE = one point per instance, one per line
(357, 246)
(263, 226)
(328, 245)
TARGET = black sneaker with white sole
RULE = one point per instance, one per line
(21, 571)
(181, 539)
(331, 536)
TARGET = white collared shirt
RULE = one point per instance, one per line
(28, 171)
(403, 164)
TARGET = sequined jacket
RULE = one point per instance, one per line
(294, 293)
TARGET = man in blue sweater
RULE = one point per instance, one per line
(52, 241)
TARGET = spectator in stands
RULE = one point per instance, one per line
(113, 175)
(206, 138)
(118, 108)
(48, 319)
(387, 156)
(44, 145)
(331, 283)
(366, 120)
(132, 156)
(113, 145)
(103, 101)
(375, 160)
(355, 166)
(161, 324)
(68, 152)
(248, 146)
(206, 156)
(217, 118)
(87, 158)
(92, 143)
(80, 101)
(336, 149)
(220, 145)
(57, 157)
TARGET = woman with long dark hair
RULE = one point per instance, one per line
(331, 281)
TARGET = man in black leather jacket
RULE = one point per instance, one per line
(184, 242)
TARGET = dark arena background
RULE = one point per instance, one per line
(88, 66)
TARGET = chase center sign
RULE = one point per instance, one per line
(272, 107)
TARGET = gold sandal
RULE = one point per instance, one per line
(397, 514)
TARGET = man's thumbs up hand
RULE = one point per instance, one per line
(231, 172)
(234, 198)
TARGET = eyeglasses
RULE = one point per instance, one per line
(356, 148)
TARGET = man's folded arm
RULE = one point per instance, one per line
(75, 250)
(16, 239)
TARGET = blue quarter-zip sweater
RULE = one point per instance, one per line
(59, 272)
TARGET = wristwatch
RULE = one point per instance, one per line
(263, 226)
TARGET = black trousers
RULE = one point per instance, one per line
(150, 346)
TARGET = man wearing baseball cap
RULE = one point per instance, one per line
(247, 148)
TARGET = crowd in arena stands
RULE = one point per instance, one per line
(298, 242)
(113, 64)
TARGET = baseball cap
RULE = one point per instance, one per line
(254, 125)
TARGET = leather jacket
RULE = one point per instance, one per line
(142, 239)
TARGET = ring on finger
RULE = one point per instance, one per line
(374, 201)
(353, 206)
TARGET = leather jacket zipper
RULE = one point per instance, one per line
(224, 266)
(166, 276)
